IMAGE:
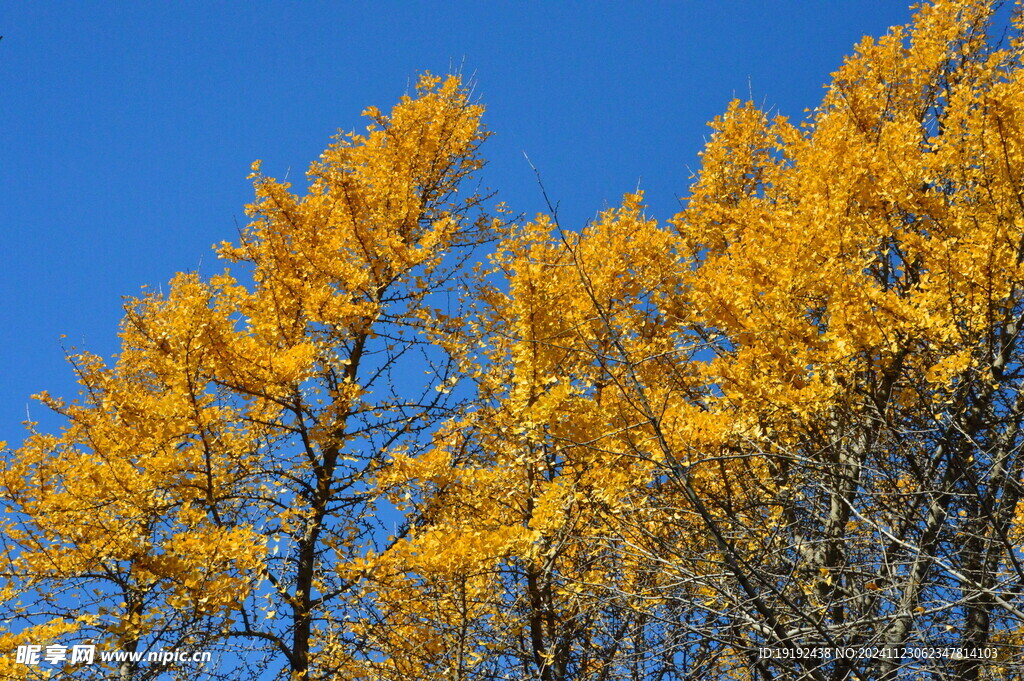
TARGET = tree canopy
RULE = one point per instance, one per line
(408, 434)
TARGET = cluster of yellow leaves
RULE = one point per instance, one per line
(871, 235)
(39, 635)
(126, 490)
(379, 206)
(521, 499)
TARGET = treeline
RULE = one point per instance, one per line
(407, 435)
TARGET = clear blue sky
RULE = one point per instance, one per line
(128, 128)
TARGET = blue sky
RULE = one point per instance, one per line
(128, 129)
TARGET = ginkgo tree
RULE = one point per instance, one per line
(215, 483)
(777, 436)
(862, 277)
(801, 436)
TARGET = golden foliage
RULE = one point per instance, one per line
(787, 418)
